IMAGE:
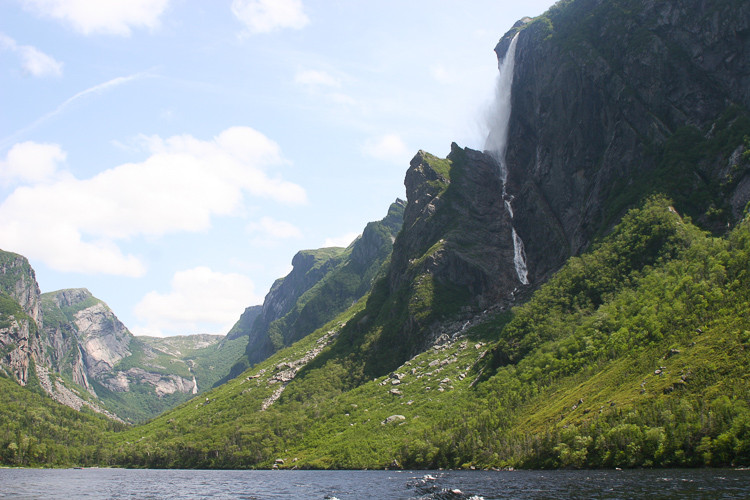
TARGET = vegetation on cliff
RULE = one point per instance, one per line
(634, 354)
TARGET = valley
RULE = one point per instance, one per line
(574, 296)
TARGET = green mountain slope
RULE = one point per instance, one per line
(37, 431)
(322, 284)
(633, 354)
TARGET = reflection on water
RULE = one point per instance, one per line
(599, 484)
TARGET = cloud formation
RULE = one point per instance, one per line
(76, 224)
(112, 17)
(32, 163)
(388, 147)
(265, 16)
(269, 231)
(33, 61)
(200, 300)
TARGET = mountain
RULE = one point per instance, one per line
(521, 319)
(19, 317)
(70, 345)
(576, 295)
(322, 284)
(596, 369)
(615, 100)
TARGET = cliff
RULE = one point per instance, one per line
(20, 317)
(322, 284)
(615, 100)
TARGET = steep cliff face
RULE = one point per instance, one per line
(614, 100)
(308, 268)
(20, 317)
(89, 345)
(610, 102)
(245, 323)
(322, 284)
(453, 259)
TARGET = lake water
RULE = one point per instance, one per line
(174, 484)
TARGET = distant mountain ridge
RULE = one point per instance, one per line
(72, 346)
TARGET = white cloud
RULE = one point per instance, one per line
(316, 78)
(271, 230)
(200, 301)
(265, 16)
(33, 61)
(31, 162)
(113, 17)
(389, 147)
(341, 241)
(74, 225)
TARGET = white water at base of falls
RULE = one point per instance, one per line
(497, 144)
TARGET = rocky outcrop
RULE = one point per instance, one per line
(83, 325)
(322, 284)
(613, 100)
(453, 259)
(309, 267)
(459, 233)
(121, 381)
(88, 343)
(245, 323)
(20, 317)
(71, 336)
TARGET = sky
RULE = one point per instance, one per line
(173, 155)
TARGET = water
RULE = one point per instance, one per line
(519, 259)
(174, 484)
(497, 139)
(497, 144)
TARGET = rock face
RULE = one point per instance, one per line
(104, 340)
(613, 100)
(82, 355)
(20, 317)
(453, 258)
(458, 231)
(84, 330)
(322, 284)
(245, 323)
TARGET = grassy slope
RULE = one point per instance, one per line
(569, 379)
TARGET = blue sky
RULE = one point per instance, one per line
(173, 155)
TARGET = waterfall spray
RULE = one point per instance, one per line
(497, 145)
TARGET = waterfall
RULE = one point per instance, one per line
(497, 145)
(519, 259)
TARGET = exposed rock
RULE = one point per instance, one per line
(19, 324)
(322, 283)
(593, 102)
(292, 367)
(393, 418)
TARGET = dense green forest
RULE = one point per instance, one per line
(37, 431)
